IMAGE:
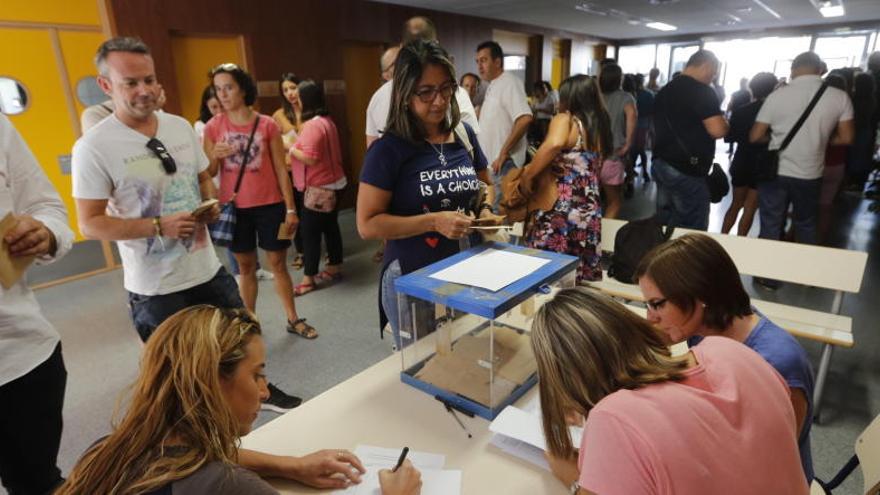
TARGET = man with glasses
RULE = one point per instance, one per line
(138, 176)
(505, 115)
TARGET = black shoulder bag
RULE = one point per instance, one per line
(716, 178)
(767, 162)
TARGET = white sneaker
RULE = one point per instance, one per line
(264, 275)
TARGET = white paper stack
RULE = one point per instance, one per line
(520, 433)
(435, 479)
(491, 269)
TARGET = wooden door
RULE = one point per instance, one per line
(194, 57)
(362, 79)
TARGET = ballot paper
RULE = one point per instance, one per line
(520, 433)
(492, 269)
(12, 268)
(435, 479)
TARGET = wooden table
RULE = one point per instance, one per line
(375, 408)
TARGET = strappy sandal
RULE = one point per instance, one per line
(297, 262)
(303, 329)
(328, 277)
(303, 289)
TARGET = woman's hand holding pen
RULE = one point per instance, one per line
(406, 480)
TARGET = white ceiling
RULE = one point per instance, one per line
(690, 16)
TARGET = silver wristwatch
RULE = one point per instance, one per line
(574, 487)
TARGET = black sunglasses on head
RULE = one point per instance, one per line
(159, 149)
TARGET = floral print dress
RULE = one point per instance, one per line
(574, 224)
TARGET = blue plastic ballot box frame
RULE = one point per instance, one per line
(482, 303)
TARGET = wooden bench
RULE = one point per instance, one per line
(839, 270)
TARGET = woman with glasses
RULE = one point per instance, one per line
(198, 391)
(316, 161)
(419, 181)
(578, 138)
(289, 119)
(693, 291)
(714, 420)
(240, 137)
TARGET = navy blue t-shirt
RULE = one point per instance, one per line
(419, 183)
(790, 360)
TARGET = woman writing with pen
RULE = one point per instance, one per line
(201, 381)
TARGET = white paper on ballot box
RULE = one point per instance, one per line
(492, 269)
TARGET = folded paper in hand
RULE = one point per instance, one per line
(11, 268)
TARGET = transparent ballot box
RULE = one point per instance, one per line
(464, 323)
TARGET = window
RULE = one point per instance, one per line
(841, 51)
(516, 64)
(638, 59)
(13, 96)
(88, 92)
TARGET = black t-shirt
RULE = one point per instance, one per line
(684, 103)
(741, 121)
(420, 183)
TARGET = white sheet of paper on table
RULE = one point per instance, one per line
(435, 479)
(492, 269)
(521, 433)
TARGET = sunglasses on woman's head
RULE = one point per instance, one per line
(159, 149)
(228, 67)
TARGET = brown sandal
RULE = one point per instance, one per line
(303, 329)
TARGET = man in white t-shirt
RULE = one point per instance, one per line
(801, 164)
(380, 103)
(32, 374)
(137, 177)
(505, 115)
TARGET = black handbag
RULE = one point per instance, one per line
(767, 162)
(719, 186)
(716, 179)
(223, 230)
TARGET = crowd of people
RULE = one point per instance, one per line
(734, 412)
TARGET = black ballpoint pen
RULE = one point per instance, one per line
(401, 459)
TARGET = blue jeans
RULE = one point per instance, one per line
(148, 312)
(682, 200)
(390, 304)
(507, 166)
(773, 200)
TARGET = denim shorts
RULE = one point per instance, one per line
(148, 312)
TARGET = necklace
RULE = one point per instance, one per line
(440, 154)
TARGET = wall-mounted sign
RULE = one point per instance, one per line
(334, 87)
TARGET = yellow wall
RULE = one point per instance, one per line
(78, 50)
(51, 11)
(194, 57)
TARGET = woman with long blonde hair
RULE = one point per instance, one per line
(716, 419)
(198, 391)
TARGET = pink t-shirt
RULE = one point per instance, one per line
(318, 140)
(259, 186)
(727, 428)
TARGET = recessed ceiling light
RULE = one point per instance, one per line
(832, 10)
(633, 22)
(661, 26)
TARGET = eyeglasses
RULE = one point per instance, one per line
(428, 93)
(227, 67)
(655, 304)
(159, 149)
